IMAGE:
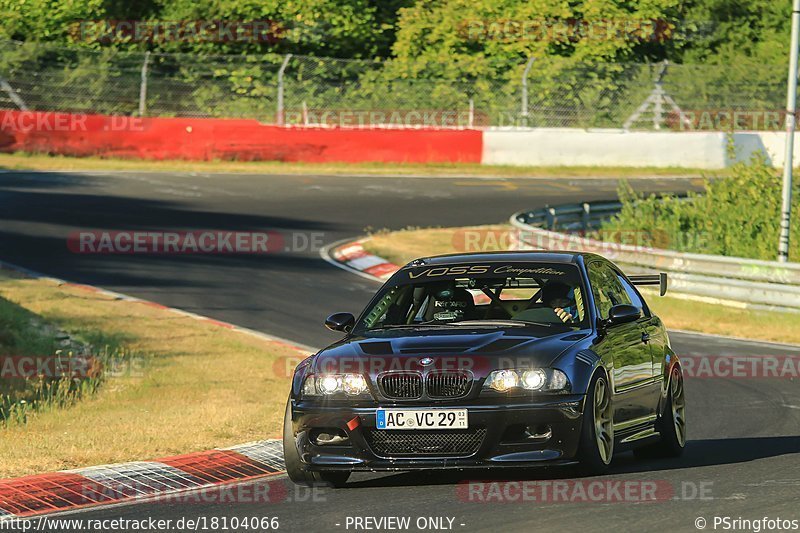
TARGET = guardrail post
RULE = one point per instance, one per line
(551, 217)
(585, 216)
(279, 117)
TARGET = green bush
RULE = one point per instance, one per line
(24, 334)
(736, 216)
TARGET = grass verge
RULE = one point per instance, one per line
(203, 386)
(23, 161)
(42, 367)
(400, 247)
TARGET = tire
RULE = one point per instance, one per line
(596, 448)
(671, 425)
(294, 466)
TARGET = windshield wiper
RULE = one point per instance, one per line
(400, 326)
(500, 323)
(467, 323)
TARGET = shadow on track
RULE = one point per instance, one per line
(712, 452)
(698, 453)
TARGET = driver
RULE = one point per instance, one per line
(560, 298)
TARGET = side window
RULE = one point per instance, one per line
(606, 288)
(633, 296)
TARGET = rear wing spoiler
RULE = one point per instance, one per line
(651, 279)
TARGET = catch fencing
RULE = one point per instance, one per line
(328, 92)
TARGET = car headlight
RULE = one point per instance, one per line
(534, 379)
(527, 379)
(354, 384)
(558, 381)
(329, 384)
(503, 380)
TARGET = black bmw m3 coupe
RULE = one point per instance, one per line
(486, 360)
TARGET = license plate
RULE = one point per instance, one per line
(421, 419)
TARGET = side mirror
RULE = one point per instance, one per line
(622, 314)
(340, 322)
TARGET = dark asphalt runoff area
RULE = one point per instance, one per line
(743, 457)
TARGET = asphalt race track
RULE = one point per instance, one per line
(743, 458)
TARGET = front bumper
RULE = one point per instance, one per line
(502, 445)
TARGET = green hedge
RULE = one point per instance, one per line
(736, 216)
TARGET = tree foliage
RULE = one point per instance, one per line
(461, 39)
(339, 28)
(456, 39)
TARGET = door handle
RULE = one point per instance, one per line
(645, 337)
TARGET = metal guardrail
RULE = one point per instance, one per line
(585, 216)
(733, 281)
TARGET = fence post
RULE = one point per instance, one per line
(279, 117)
(13, 95)
(524, 110)
(471, 116)
(143, 86)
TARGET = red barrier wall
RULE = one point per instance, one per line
(227, 139)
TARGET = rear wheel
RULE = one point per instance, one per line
(597, 434)
(294, 466)
(672, 424)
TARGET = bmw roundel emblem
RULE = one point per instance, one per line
(425, 361)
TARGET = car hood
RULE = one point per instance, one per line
(480, 350)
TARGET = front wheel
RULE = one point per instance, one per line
(597, 434)
(294, 466)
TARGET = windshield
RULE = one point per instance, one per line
(531, 294)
